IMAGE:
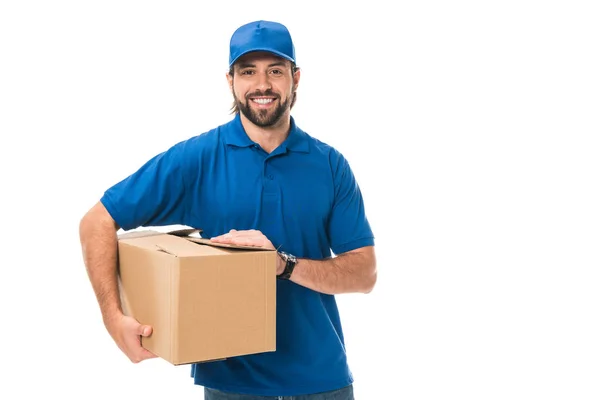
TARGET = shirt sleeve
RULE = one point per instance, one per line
(154, 195)
(348, 226)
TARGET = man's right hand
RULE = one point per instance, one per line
(127, 332)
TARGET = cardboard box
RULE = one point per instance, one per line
(205, 301)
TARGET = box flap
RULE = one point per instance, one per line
(149, 232)
(185, 232)
(138, 234)
(180, 243)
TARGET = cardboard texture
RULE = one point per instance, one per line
(205, 301)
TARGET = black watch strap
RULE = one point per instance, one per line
(290, 264)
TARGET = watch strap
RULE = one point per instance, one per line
(290, 264)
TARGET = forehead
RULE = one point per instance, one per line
(260, 58)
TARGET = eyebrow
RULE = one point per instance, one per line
(250, 65)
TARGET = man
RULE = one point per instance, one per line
(256, 180)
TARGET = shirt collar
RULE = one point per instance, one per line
(235, 135)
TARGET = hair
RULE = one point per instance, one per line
(234, 107)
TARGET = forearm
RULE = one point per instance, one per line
(352, 272)
(99, 246)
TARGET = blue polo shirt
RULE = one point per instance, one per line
(303, 196)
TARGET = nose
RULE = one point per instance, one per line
(264, 83)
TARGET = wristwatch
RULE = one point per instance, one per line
(290, 264)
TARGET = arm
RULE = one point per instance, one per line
(97, 232)
(352, 272)
(349, 272)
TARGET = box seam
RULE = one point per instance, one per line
(173, 275)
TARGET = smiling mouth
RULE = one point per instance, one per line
(263, 101)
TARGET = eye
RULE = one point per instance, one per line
(246, 72)
(276, 72)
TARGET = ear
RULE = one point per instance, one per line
(296, 78)
(229, 80)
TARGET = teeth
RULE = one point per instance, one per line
(262, 101)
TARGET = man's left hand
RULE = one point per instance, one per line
(250, 237)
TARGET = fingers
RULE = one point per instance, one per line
(250, 237)
(136, 352)
(144, 330)
(142, 355)
(251, 234)
(128, 337)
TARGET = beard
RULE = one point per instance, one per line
(263, 118)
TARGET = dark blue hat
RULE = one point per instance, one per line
(267, 36)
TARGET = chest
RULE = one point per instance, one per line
(248, 189)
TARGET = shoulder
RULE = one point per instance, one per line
(330, 159)
(203, 143)
(319, 147)
(327, 152)
(207, 139)
(189, 155)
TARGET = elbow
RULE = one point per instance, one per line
(87, 224)
(84, 226)
(370, 280)
(97, 219)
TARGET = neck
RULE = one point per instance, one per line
(269, 138)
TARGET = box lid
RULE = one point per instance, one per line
(181, 243)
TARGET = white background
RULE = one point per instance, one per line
(471, 126)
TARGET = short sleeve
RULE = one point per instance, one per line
(348, 226)
(154, 195)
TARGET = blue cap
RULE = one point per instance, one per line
(267, 36)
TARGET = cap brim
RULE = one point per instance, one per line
(277, 53)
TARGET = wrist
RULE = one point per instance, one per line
(289, 263)
(112, 319)
(280, 264)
